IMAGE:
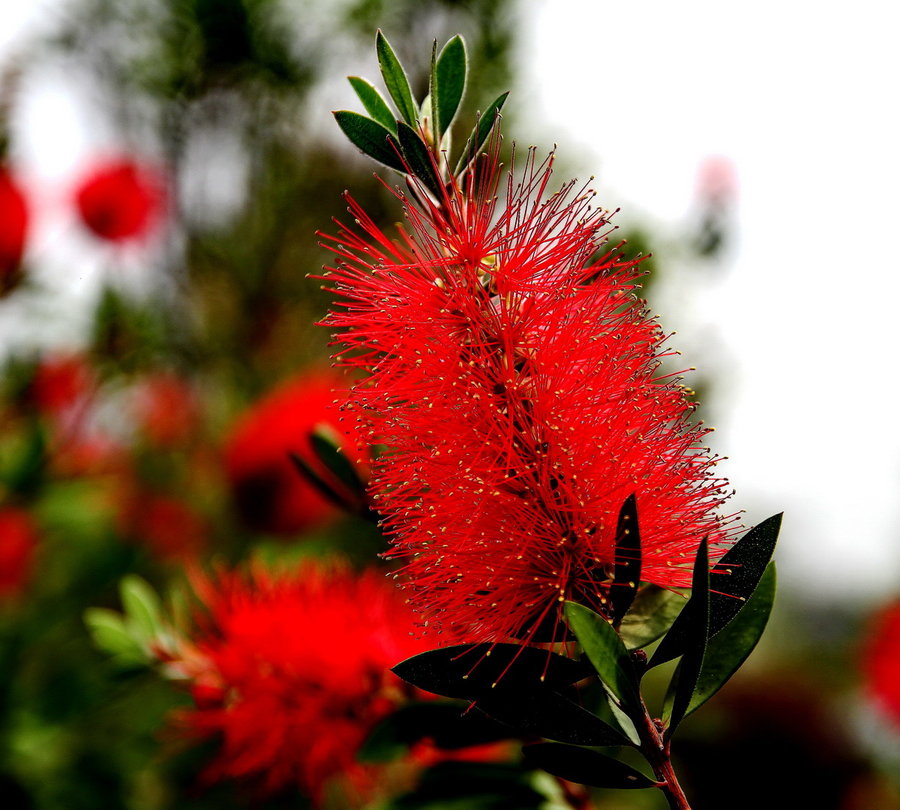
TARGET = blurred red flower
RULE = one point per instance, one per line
(120, 200)
(269, 492)
(880, 661)
(166, 409)
(515, 380)
(18, 543)
(291, 672)
(13, 230)
(166, 526)
(62, 382)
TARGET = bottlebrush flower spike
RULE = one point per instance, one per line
(13, 230)
(515, 379)
(120, 201)
(880, 662)
(292, 671)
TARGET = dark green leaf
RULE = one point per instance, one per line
(733, 579)
(584, 766)
(418, 158)
(728, 650)
(470, 671)
(324, 488)
(395, 79)
(447, 725)
(326, 443)
(696, 614)
(545, 712)
(606, 653)
(369, 136)
(651, 614)
(480, 134)
(375, 105)
(627, 572)
(449, 84)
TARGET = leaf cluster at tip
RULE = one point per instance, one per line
(413, 138)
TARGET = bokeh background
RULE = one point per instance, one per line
(177, 157)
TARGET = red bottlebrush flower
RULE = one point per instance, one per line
(62, 383)
(18, 542)
(880, 662)
(13, 230)
(515, 380)
(166, 409)
(292, 671)
(269, 492)
(120, 201)
(166, 526)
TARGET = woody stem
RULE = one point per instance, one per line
(656, 750)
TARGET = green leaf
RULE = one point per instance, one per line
(627, 572)
(142, 607)
(109, 633)
(419, 158)
(584, 766)
(480, 134)
(375, 105)
(448, 84)
(327, 443)
(545, 712)
(395, 79)
(606, 653)
(731, 647)
(696, 615)
(369, 136)
(652, 613)
(733, 578)
(325, 489)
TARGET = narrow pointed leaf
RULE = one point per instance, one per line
(324, 488)
(142, 607)
(471, 671)
(369, 136)
(449, 84)
(606, 653)
(697, 616)
(584, 766)
(652, 613)
(375, 105)
(544, 712)
(326, 443)
(627, 572)
(418, 158)
(480, 134)
(733, 579)
(731, 647)
(109, 633)
(395, 79)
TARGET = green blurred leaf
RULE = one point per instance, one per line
(142, 607)
(109, 633)
(652, 613)
(370, 136)
(448, 84)
(419, 158)
(627, 572)
(728, 650)
(606, 652)
(584, 766)
(480, 134)
(696, 616)
(395, 79)
(327, 444)
(375, 105)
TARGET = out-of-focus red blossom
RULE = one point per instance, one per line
(292, 672)
(269, 493)
(13, 230)
(166, 409)
(515, 379)
(18, 544)
(61, 383)
(880, 661)
(166, 526)
(121, 200)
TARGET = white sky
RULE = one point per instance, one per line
(802, 96)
